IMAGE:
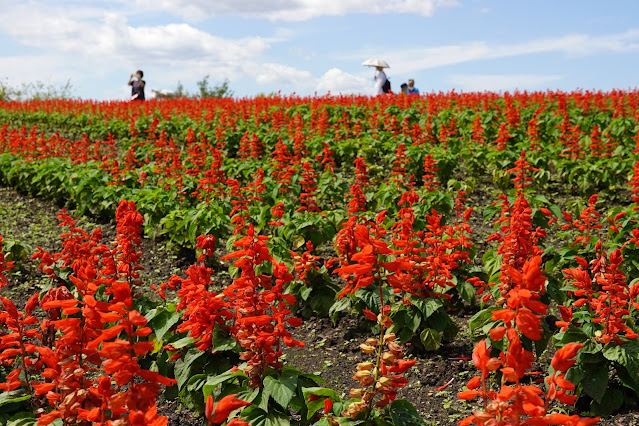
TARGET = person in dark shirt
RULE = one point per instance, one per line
(137, 86)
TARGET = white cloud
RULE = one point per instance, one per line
(108, 38)
(499, 82)
(338, 81)
(293, 10)
(18, 70)
(282, 75)
(97, 43)
(419, 58)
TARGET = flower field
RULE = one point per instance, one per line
(501, 229)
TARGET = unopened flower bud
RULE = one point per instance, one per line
(394, 347)
(355, 393)
(365, 365)
(384, 381)
(482, 416)
(387, 322)
(372, 341)
(367, 381)
(388, 358)
(367, 349)
(493, 364)
(389, 337)
(368, 397)
(361, 374)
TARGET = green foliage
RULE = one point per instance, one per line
(35, 91)
(221, 90)
(204, 90)
(16, 251)
(178, 93)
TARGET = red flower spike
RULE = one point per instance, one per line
(371, 316)
(563, 358)
(223, 408)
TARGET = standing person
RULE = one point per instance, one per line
(404, 88)
(137, 86)
(412, 90)
(380, 81)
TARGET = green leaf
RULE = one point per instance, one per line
(17, 395)
(406, 322)
(540, 199)
(250, 395)
(370, 297)
(290, 371)
(575, 374)
(339, 306)
(265, 396)
(196, 382)
(403, 413)
(627, 355)
(314, 406)
(187, 366)
(229, 243)
(466, 291)
(627, 380)
(431, 339)
(222, 341)
(306, 292)
(553, 290)
(595, 380)
(572, 334)
(183, 342)
(450, 331)
(297, 241)
(427, 306)
(319, 391)
(212, 381)
(555, 209)
(163, 320)
(609, 403)
(440, 320)
(480, 319)
(489, 211)
(282, 389)
(22, 419)
(258, 417)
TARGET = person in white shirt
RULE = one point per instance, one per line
(380, 79)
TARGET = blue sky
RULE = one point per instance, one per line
(315, 46)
